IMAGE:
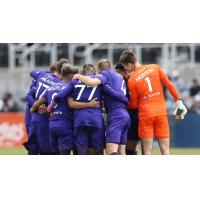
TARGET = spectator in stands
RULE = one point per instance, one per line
(8, 104)
(194, 97)
(178, 82)
(196, 104)
(195, 88)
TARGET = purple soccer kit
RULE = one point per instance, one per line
(30, 97)
(88, 122)
(118, 120)
(61, 133)
(39, 129)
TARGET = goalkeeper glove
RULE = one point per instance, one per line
(180, 111)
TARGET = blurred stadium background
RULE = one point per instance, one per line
(180, 61)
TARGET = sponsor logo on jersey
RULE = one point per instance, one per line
(146, 97)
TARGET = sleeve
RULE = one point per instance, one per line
(64, 93)
(115, 94)
(132, 94)
(169, 85)
(36, 74)
(103, 77)
(30, 97)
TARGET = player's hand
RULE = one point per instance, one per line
(32, 110)
(94, 103)
(42, 109)
(180, 111)
(76, 76)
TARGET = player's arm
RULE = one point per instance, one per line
(107, 89)
(94, 103)
(36, 74)
(62, 94)
(30, 97)
(133, 103)
(37, 104)
(180, 110)
(87, 80)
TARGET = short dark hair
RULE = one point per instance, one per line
(87, 68)
(119, 66)
(60, 64)
(88, 65)
(127, 57)
(68, 69)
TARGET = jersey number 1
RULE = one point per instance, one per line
(147, 79)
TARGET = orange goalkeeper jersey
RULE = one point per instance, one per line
(146, 91)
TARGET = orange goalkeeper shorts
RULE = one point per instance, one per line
(154, 127)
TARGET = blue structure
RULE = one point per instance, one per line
(187, 132)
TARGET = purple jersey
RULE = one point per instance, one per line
(88, 116)
(43, 83)
(83, 93)
(33, 84)
(61, 114)
(36, 74)
(116, 81)
(30, 101)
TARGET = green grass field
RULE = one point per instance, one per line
(174, 151)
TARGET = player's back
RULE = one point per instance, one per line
(61, 114)
(145, 84)
(43, 83)
(117, 82)
(87, 116)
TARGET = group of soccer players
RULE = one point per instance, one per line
(65, 108)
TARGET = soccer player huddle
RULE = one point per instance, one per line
(65, 108)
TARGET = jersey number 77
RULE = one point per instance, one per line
(82, 87)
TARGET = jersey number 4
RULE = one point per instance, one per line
(123, 87)
(82, 89)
